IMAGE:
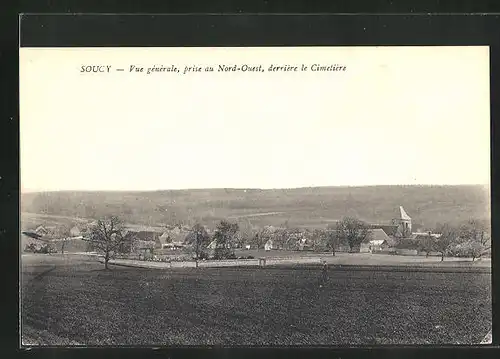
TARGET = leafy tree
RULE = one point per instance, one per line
(199, 238)
(106, 237)
(262, 236)
(353, 231)
(224, 235)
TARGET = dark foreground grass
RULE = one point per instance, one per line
(76, 300)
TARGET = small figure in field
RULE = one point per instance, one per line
(324, 274)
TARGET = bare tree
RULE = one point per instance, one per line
(106, 237)
(62, 234)
(426, 244)
(319, 239)
(353, 231)
(199, 238)
(293, 238)
(262, 236)
(247, 231)
(281, 236)
(448, 237)
(332, 238)
(258, 240)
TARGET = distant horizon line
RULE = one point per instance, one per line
(252, 188)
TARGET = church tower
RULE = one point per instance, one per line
(403, 221)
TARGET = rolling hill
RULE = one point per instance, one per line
(312, 207)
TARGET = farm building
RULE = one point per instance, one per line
(75, 232)
(42, 231)
(144, 248)
(30, 239)
(175, 236)
(214, 245)
(173, 246)
(165, 238)
(389, 229)
(400, 225)
(390, 236)
(31, 234)
(422, 235)
(268, 245)
(139, 240)
(379, 240)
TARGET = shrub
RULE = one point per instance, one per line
(203, 255)
(40, 248)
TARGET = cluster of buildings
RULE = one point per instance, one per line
(382, 236)
(171, 238)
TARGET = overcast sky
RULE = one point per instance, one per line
(396, 116)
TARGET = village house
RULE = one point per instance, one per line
(387, 236)
(304, 245)
(418, 236)
(400, 226)
(378, 241)
(165, 238)
(268, 245)
(31, 234)
(42, 231)
(173, 238)
(139, 241)
(212, 245)
(75, 231)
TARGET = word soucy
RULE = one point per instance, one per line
(95, 68)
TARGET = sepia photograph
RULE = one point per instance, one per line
(255, 196)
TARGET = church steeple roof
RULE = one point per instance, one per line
(403, 214)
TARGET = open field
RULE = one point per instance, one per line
(72, 299)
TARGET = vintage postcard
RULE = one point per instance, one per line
(255, 196)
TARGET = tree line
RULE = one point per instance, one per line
(471, 239)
